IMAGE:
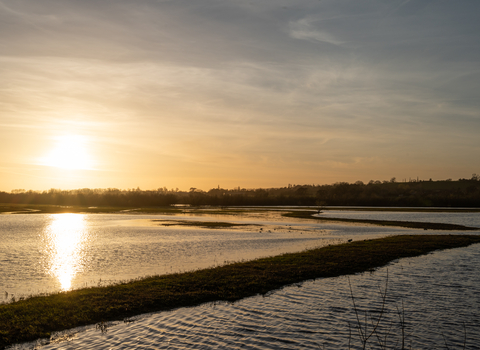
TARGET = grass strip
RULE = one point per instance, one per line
(407, 224)
(204, 224)
(37, 317)
(406, 209)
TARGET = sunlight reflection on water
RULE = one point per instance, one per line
(45, 253)
(65, 241)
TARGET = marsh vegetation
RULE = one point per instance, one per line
(204, 224)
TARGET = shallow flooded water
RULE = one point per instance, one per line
(437, 294)
(45, 253)
(457, 218)
(48, 253)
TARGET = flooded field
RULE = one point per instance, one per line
(437, 295)
(48, 253)
(44, 253)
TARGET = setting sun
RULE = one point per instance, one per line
(70, 152)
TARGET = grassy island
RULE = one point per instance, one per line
(38, 316)
(407, 224)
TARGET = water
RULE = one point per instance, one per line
(438, 294)
(440, 291)
(50, 253)
(457, 218)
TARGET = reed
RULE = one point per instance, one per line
(376, 332)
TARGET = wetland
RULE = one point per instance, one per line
(104, 267)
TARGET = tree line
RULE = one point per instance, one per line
(445, 193)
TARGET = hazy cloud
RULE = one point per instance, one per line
(319, 82)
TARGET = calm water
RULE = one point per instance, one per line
(45, 253)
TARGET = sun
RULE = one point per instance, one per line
(70, 152)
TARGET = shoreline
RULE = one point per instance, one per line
(208, 209)
(39, 316)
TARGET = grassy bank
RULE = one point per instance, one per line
(407, 224)
(37, 317)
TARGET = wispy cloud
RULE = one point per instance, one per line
(265, 83)
(304, 29)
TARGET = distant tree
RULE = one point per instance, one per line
(301, 191)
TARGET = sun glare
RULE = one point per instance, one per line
(70, 152)
(65, 239)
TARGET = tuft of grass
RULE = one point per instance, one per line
(39, 316)
(102, 327)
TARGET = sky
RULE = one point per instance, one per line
(266, 93)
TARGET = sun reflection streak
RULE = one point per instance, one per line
(65, 240)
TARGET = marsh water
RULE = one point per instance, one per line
(45, 253)
(446, 217)
(48, 253)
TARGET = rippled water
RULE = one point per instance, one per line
(46, 253)
(438, 294)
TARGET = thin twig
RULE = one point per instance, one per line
(363, 333)
(355, 310)
(401, 316)
(445, 340)
(349, 335)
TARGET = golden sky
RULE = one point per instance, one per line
(203, 93)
